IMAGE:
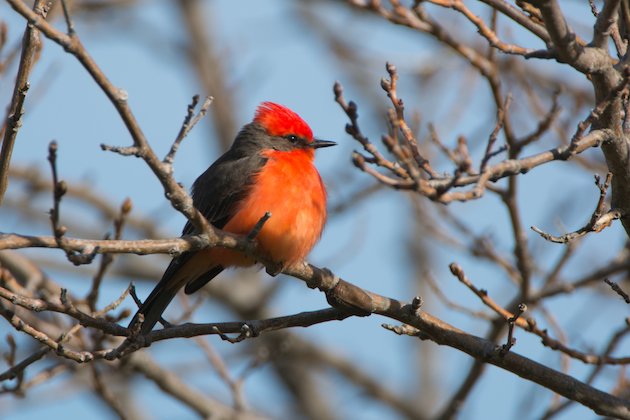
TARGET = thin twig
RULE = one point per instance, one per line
(530, 325)
(189, 123)
(511, 322)
(59, 231)
(399, 124)
(30, 44)
(66, 16)
(484, 30)
(351, 110)
(599, 219)
(495, 133)
(617, 289)
(251, 236)
(600, 108)
(108, 259)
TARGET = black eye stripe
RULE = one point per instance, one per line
(293, 138)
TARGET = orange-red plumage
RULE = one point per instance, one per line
(298, 212)
(280, 121)
(298, 207)
(269, 168)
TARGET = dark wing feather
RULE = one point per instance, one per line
(216, 194)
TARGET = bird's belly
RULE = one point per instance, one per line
(292, 191)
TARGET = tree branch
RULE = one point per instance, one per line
(605, 21)
(30, 45)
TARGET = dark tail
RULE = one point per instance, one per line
(153, 307)
(196, 284)
(164, 292)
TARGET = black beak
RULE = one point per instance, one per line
(317, 143)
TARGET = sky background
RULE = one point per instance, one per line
(273, 56)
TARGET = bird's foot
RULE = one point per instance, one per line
(273, 269)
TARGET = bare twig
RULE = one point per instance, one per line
(20, 325)
(30, 44)
(66, 16)
(530, 325)
(189, 122)
(483, 29)
(36, 182)
(601, 107)
(599, 219)
(351, 110)
(409, 145)
(615, 287)
(100, 385)
(511, 322)
(59, 231)
(235, 385)
(171, 384)
(107, 259)
(438, 188)
(606, 19)
(353, 297)
(213, 67)
(495, 133)
(251, 236)
(543, 126)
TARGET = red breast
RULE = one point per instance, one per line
(291, 189)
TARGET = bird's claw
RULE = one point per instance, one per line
(274, 269)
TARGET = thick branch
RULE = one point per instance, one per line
(605, 21)
(173, 246)
(585, 59)
(442, 333)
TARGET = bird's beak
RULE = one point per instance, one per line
(317, 143)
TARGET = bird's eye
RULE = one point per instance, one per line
(292, 138)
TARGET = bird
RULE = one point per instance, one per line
(268, 168)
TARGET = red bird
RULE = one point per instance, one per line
(269, 168)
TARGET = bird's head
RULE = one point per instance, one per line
(287, 131)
